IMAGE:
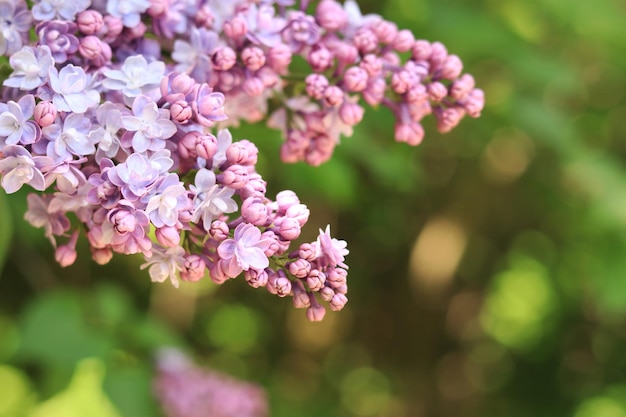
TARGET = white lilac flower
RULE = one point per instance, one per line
(46, 10)
(263, 26)
(136, 77)
(128, 10)
(150, 124)
(135, 176)
(18, 167)
(194, 57)
(165, 263)
(109, 117)
(73, 89)
(163, 205)
(71, 137)
(211, 200)
(30, 67)
(224, 139)
(15, 22)
(15, 125)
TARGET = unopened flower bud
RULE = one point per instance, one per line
(351, 113)
(300, 268)
(365, 41)
(338, 302)
(421, 50)
(320, 59)
(438, 54)
(299, 212)
(66, 254)
(330, 15)
(449, 118)
(45, 113)
(316, 84)
(168, 236)
(254, 211)
(333, 96)
(385, 31)
(462, 86)
(474, 102)
(255, 278)
(286, 199)
(218, 230)
(315, 280)
(242, 152)
(307, 251)
(101, 256)
(411, 133)
(235, 176)
(326, 293)
(158, 8)
(236, 28)
(193, 269)
(278, 284)
(112, 28)
(437, 91)
(316, 312)
(289, 228)
(451, 68)
(279, 58)
(355, 79)
(223, 58)
(181, 112)
(404, 41)
(89, 22)
(253, 58)
(253, 86)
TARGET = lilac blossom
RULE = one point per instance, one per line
(59, 36)
(135, 176)
(72, 136)
(73, 90)
(244, 251)
(109, 117)
(194, 57)
(128, 11)
(46, 10)
(14, 25)
(208, 105)
(135, 77)
(38, 214)
(333, 251)
(150, 124)
(30, 67)
(126, 229)
(18, 167)
(15, 125)
(211, 200)
(163, 205)
(165, 264)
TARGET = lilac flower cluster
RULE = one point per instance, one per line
(106, 130)
(185, 390)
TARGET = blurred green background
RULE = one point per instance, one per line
(487, 266)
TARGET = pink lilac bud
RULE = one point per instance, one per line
(355, 79)
(193, 269)
(316, 84)
(438, 54)
(449, 118)
(375, 91)
(351, 113)
(421, 50)
(204, 17)
(404, 41)
(168, 236)
(236, 28)
(402, 81)
(89, 22)
(206, 146)
(253, 86)
(372, 64)
(307, 251)
(411, 133)
(218, 230)
(437, 91)
(256, 187)
(176, 86)
(90, 47)
(474, 102)
(333, 96)
(101, 256)
(255, 278)
(112, 28)
(216, 273)
(136, 32)
(274, 246)
(223, 58)
(158, 8)
(289, 228)
(279, 58)
(278, 284)
(386, 31)
(365, 41)
(316, 280)
(242, 152)
(45, 113)
(299, 212)
(123, 221)
(315, 312)
(330, 15)
(462, 86)
(286, 199)
(417, 93)
(187, 145)
(66, 254)
(451, 68)
(320, 59)
(345, 52)
(253, 58)
(338, 302)
(300, 297)
(326, 293)
(337, 277)
(235, 176)
(300, 268)
(269, 77)
(254, 211)
(181, 112)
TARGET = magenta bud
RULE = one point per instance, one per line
(90, 47)
(307, 251)
(255, 278)
(137, 31)
(254, 211)
(451, 68)
(65, 255)
(253, 58)
(89, 22)
(355, 79)
(417, 93)
(333, 96)
(300, 298)
(236, 28)
(338, 302)
(223, 58)
(45, 113)
(326, 293)
(278, 284)
(112, 28)
(193, 269)
(274, 246)
(337, 277)
(474, 102)
(180, 83)
(286, 199)
(316, 312)
(320, 59)
(101, 256)
(316, 280)
(123, 221)
(351, 113)
(385, 31)
(316, 84)
(404, 41)
(330, 15)
(242, 152)
(402, 81)
(181, 112)
(299, 212)
(421, 50)
(411, 133)
(168, 236)
(372, 64)
(437, 91)
(218, 230)
(365, 41)
(158, 8)
(438, 54)
(235, 176)
(253, 86)
(299, 268)
(375, 91)
(462, 86)
(346, 53)
(289, 228)
(449, 118)
(279, 58)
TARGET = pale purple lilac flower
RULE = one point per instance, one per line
(46, 10)
(194, 57)
(127, 10)
(152, 126)
(165, 263)
(244, 251)
(58, 35)
(168, 198)
(30, 67)
(72, 136)
(15, 23)
(135, 176)
(54, 223)
(135, 77)
(211, 200)
(18, 167)
(73, 89)
(15, 123)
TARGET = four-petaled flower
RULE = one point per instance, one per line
(150, 124)
(211, 200)
(244, 251)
